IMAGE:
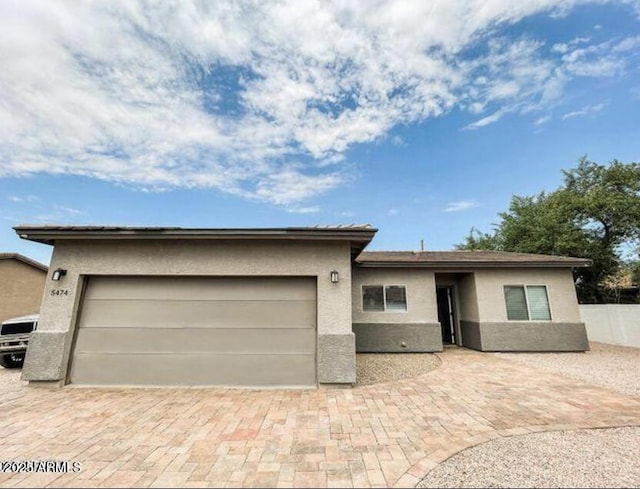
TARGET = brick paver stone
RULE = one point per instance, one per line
(381, 435)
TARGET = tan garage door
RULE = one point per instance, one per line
(196, 331)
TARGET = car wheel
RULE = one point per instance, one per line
(12, 360)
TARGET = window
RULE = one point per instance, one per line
(17, 328)
(372, 298)
(391, 298)
(527, 302)
(516, 303)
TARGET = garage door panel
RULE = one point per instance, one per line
(198, 314)
(196, 340)
(193, 369)
(242, 331)
(202, 288)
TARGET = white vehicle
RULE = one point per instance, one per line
(14, 338)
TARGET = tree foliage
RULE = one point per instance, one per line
(594, 214)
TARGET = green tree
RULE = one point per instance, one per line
(595, 214)
(605, 200)
(477, 240)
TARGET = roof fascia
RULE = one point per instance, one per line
(49, 235)
(469, 266)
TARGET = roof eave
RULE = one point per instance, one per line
(26, 260)
(470, 265)
(359, 238)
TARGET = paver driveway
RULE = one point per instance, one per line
(380, 435)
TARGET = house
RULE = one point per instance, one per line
(278, 307)
(21, 286)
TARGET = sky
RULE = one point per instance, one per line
(419, 118)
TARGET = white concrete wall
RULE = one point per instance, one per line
(616, 324)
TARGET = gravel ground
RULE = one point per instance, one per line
(615, 367)
(374, 368)
(585, 458)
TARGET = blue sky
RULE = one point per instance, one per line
(422, 120)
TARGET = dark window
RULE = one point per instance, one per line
(372, 298)
(396, 297)
(384, 298)
(526, 303)
(17, 328)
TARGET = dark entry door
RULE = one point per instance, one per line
(445, 314)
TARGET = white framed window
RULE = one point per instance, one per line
(527, 303)
(384, 298)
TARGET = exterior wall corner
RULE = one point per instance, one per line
(336, 359)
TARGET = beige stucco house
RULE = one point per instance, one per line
(21, 285)
(286, 307)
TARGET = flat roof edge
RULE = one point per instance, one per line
(50, 234)
(468, 265)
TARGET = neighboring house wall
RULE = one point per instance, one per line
(49, 349)
(21, 288)
(615, 324)
(493, 332)
(416, 330)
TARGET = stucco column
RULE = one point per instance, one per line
(336, 340)
(50, 345)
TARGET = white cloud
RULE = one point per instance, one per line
(485, 121)
(560, 47)
(398, 141)
(303, 210)
(67, 210)
(55, 214)
(288, 186)
(563, 47)
(259, 99)
(627, 44)
(542, 120)
(392, 212)
(606, 59)
(42, 211)
(515, 76)
(461, 205)
(586, 110)
(23, 198)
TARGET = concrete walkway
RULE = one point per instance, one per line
(381, 435)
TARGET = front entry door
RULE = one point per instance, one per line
(445, 314)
